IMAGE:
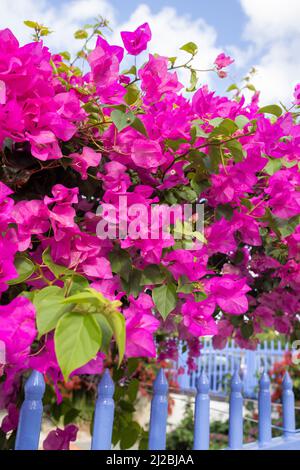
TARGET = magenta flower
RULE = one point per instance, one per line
(135, 42)
(297, 94)
(140, 326)
(104, 61)
(197, 317)
(2, 92)
(81, 162)
(186, 263)
(10, 421)
(229, 292)
(157, 80)
(17, 329)
(147, 154)
(220, 237)
(223, 61)
(284, 196)
(7, 268)
(60, 438)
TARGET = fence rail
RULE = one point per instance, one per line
(219, 365)
(31, 413)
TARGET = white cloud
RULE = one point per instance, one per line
(169, 29)
(64, 19)
(273, 29)
(271, 19)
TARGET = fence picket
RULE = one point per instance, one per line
(288, 405)
(264, 411)
(31, 413)
(159, 413)
(236, 413)
(201, 425)
(104, 414)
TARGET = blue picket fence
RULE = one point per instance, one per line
(31, 414)
(219, 365)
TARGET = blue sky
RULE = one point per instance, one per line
(260, 33)
(226, 16)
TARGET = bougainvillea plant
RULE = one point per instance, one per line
(73, 139)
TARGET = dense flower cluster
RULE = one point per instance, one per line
(71, 141)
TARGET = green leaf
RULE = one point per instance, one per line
(190, 47)
(251, 87)
(273, 165)
(185, 289)
(121, 263)
(130, 435)
(172, 60)
(236, 150)
(66, 55)
(224, 210)
(226, 128)
(132, 95)
(77, 340)
(152, 275)
(78, 283)
(122, 120)
(165, 299)
(132, 286)
(271, 109)
(49, 308)
(133, 389)
(117, 323)
(138, 125)
(31, 24)
(107, 332)
(232, 87)
(81, 34)
(187, 194)
(25, 269)
(131, 71)
(212, 163)
(56, 269)
(247, 330)
(193, 81)
(44, 31)
(287, 226)
(241, 121)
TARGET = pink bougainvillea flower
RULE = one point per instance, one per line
(17, 329)
(229, 292)
(82, 161)
(223, 61)
(284, 193)
(248, 229)
(95, 366)
(10, 421)
(186, 263)
(98, 267)
(104, 61)
(297, 94)
(140, 326)
(62, 213)
(2, 92)
(60, 438)
(147, 154)
(44, 145)
(7, 268)
(32, 218)
(69, 106)
(197, 317)
(157, 80)
(135, 42)
(220, 237)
